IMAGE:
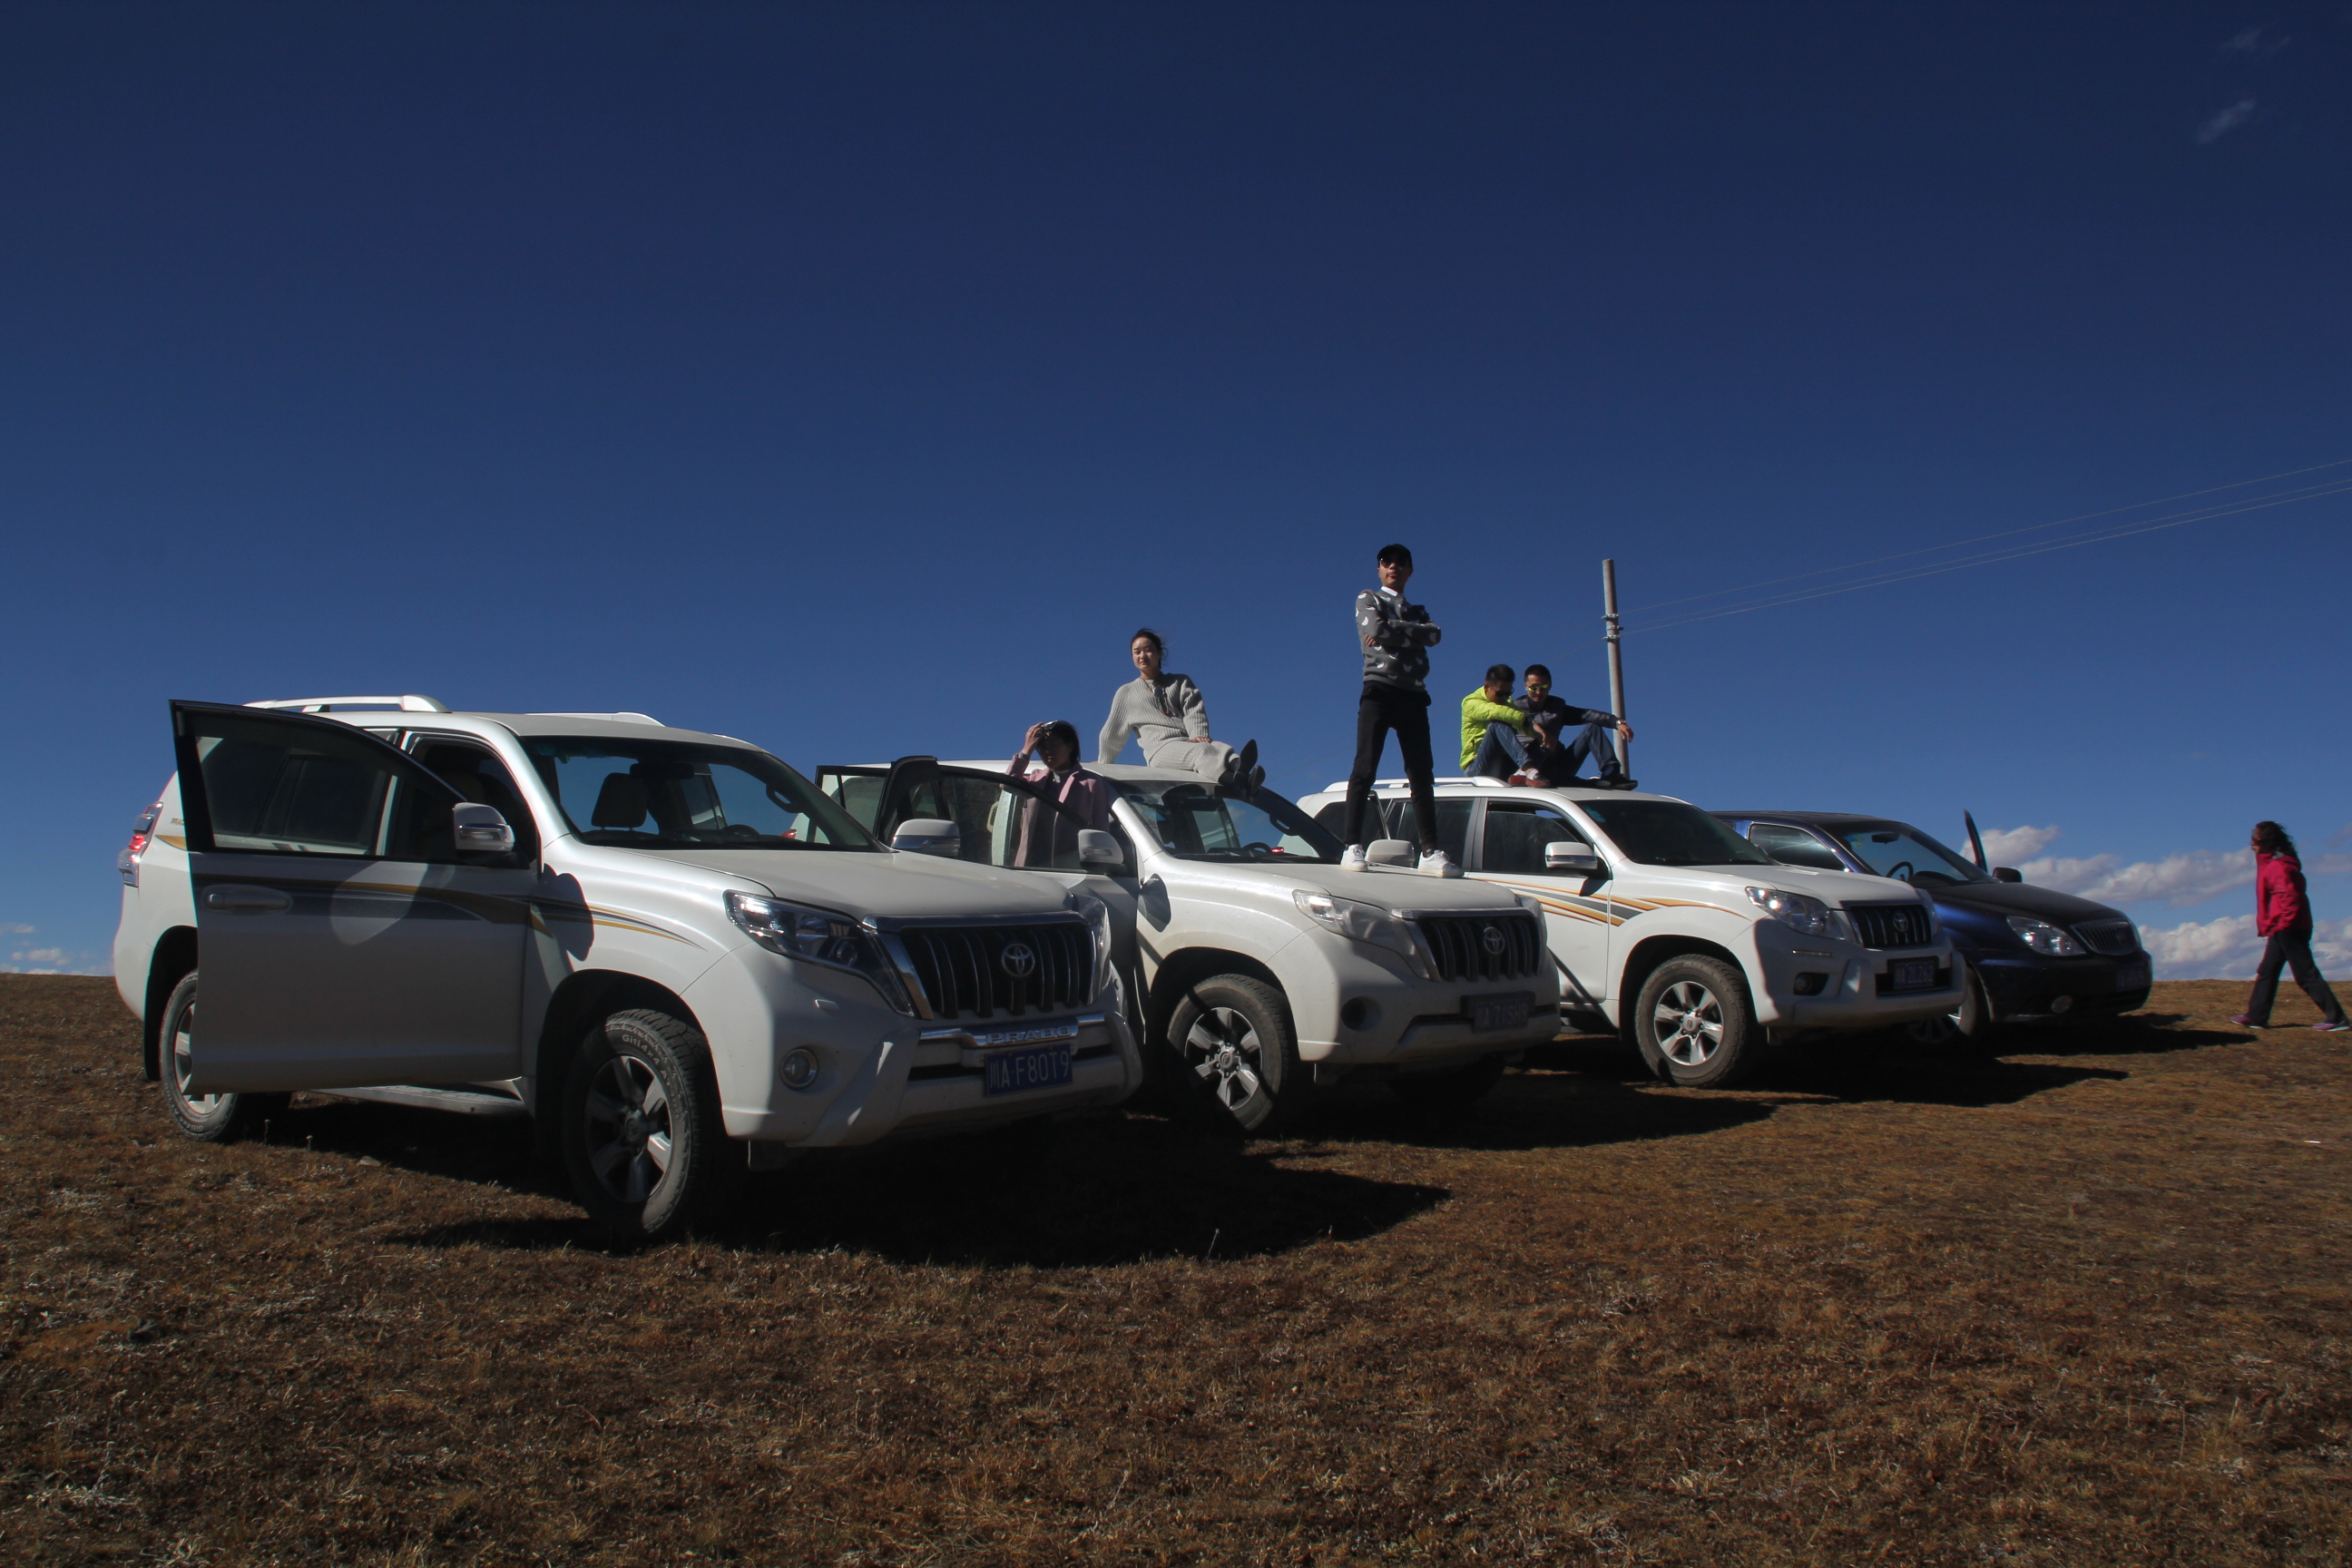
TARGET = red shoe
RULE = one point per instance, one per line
(2245, 1020)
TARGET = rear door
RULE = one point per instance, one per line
(341, 937)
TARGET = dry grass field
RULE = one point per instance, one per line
(2087, 1303)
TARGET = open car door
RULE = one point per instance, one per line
(342, 937)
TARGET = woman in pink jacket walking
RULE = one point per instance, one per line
(2282, 914)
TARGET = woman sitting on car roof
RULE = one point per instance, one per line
(1164, 711)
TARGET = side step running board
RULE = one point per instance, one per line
(462, 1101)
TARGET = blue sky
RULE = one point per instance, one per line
(853, 379)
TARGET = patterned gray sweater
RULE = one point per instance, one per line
(1171, 712)
(1396, 639)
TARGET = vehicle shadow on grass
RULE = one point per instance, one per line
(1546, 1107)
(479, 1150)
(1088, 1194)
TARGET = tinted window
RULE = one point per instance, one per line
(475, 772)
(674, 794)
(308, 788)
(1196, 822)
(1892, 849)
(1669, 833)
(1793, 845)
(1517, 833)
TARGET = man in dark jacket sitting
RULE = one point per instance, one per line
(1537, 703)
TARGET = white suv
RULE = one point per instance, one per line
(1673, 930)
(1260, 968)
(652, 940)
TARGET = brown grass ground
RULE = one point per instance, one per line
(2085, 1304)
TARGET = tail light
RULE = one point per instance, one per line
(128, 861)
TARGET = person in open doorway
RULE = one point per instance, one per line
(1163, 712)
(1396, 636)
(1584, 731)
(2283, 915)
(1049, 837)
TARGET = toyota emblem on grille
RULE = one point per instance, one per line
(1492, 937)
(1019, 960)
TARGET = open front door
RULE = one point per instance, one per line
(343, 938)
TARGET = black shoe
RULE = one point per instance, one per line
(1618, 781)
(1246, 759)
(1256, 777)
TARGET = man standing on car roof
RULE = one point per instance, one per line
(1567, 717)
(1397, 636)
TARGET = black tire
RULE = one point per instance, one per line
(1451, 1089)
(1695, 1024)
(642, 1138)
(1967, 1030)
(1237, 1054)
(207, 1118)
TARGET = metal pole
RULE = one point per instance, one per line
(1616, 659)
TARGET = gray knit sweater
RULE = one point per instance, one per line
(1171, 712)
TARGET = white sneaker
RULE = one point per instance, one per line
(1437, 863)
(1353, 858)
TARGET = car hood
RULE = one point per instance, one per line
(1384, 887)
(895, 884)
(1833, 888)
(2006, 899)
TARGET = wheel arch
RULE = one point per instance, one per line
(1180, 972)
(174, 956)
(1652, 952)
(585, 996)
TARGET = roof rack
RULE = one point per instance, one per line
(621, 718)
(411, 703)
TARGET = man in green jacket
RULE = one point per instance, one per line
(1494, 732)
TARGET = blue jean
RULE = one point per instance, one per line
(1503, 752)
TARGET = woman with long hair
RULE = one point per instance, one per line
(1163, 710)
(2282, 914)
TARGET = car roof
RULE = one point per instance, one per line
(1499, 789)
(588, 726)
(1122, 771)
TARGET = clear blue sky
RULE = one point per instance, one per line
(853, 379)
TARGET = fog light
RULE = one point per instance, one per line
(1360, 1013)
(2062, 1005)
(798, 1069)
(1810, 983)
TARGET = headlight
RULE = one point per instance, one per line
(2043, 937)
(819, 936)
(1098, 918)
(1799, 913)
(1362, 922)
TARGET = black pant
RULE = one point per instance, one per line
(2291, 948)
(1382, 709)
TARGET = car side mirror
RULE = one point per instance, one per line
(1096, 847)
(1566, 856)
(480, 830)
(929, 836)
(1392, 852)
(2006, 874)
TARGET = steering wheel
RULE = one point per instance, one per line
(741, 830)
(1260, 846)
(1901, 869)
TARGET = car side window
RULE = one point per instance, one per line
(1453, 826)
(475, 772)
(1517, 833)
(275, 787)
(1793, 845)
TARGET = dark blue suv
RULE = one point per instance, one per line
(2034, 956)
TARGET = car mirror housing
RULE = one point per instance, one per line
(480, 830)
(2006, 874)
(1391, 852)
(929, 836)
(1096, 847)
(1561, 856)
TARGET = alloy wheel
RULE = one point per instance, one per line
(1226, 1056)
(1688, 1022)
(629, 1137)
(183, 1063)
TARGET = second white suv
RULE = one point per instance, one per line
(669, 948)
(1674, 930)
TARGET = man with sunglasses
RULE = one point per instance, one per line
(1567, 720)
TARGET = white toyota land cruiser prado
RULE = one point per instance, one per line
(1674, 930)
(1260, 968)
(669, 948)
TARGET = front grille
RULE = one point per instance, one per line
(1463, 952)
(2116, 938)
(1891, 925)
(964, 974)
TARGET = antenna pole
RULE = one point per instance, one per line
(1616, 659)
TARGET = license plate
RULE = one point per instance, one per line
(1911, 975)
(2134, 978)
(1012, 1072)
(1491, 1013)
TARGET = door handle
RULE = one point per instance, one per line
(249, 900)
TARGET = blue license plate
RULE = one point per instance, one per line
(1911, 975)
(1489, 1013)
(1012, 1072)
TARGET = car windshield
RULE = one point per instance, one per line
(1895, 849)
(1197, 822)
(1668, 833)
(674, 794)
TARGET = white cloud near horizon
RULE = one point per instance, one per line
(2228, 949)
(2189, 877)
(2225, 122)
(6, 930)
(2008, 845)
(52, 960)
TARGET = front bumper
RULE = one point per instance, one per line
(881, 1074)
(1853, 981)
(1353, 1008)
(2025, 987)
